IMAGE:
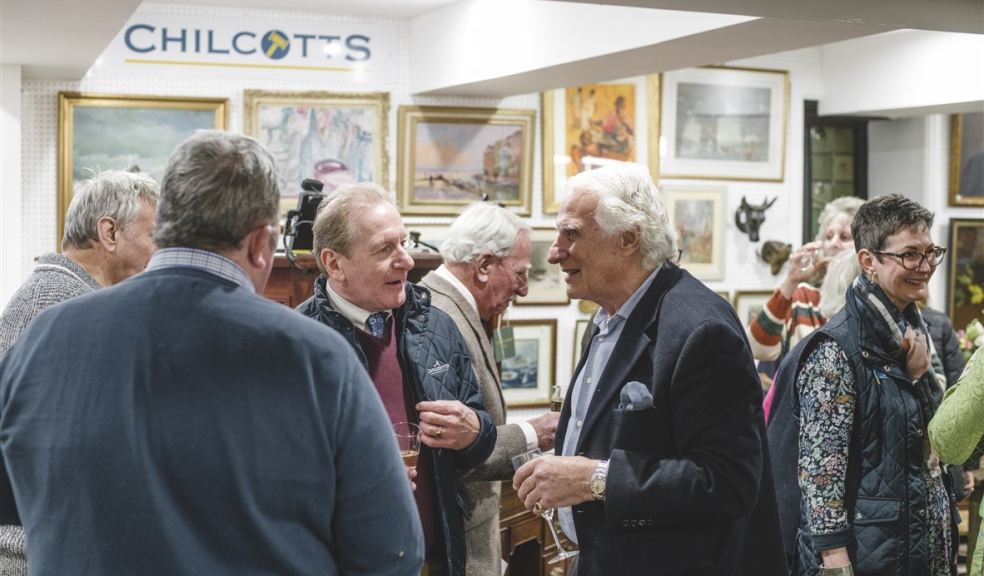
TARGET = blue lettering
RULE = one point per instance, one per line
(354, 47)
(235, 43)
(304, 40)
(129, 33)
(211, 47)
(198, 41)
(165, 39)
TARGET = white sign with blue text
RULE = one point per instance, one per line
(342, 52)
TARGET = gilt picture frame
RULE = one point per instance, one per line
(451, 157)
(528, 376)
(724, 123)
(965, 271)
(589, 125)
(99, 132)
(967, 159)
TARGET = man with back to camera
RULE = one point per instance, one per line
(486, 262)
(415, 355)
(664, 465)
(109, 236)
(179, 423)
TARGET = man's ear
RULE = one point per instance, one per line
(258, 246)
(629, 240)
(331, 264)
(108, 233)
(483, 267)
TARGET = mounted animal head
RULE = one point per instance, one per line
(775, 254)
(748, 217)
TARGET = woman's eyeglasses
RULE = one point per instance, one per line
(913, 260)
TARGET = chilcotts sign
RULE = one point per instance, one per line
(285, 49)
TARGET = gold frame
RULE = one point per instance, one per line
(377, 102)
(514, 397)
(956, 145)
(740, 294)
(650, 99)
(68, 101)
(408, 119)
(540, 235)
(960, 318)
(784, 134)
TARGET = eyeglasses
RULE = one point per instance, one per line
(522, 277)
(913, 260)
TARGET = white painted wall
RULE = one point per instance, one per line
(11, 229)
(902, 73)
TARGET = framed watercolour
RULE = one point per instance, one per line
(580, 328)
(697, 214)
(965, 271)
(451, 157)
(528, 376)
(336, 138)
(547, 285)
(113, 132)
(587, 126)
(748, 303)
(724, 124)
(967, 159)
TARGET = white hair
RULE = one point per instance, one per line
(116, 194)
(483, 227)
(628, 199)
(847, 205)
(841, 272)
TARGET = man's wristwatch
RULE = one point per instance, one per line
(598, 480)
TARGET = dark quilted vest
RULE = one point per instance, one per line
(886, 494)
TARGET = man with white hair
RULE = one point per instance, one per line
(486, 262)
(109, 236)
(663, 465)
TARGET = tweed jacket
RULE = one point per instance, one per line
(55, 278)
(481, 485)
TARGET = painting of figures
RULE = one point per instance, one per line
(335, 138)
(451, 157)
(697, 215)
(600, 125)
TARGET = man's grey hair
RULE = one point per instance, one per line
(336, 227)
(218, 187)
(115, 194)
(881, 217)
(482, 228)
(844, 205)
(628, 199)
(841, 272)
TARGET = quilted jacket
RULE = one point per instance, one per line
(436, 365)
(885, 491)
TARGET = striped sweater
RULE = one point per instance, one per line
(783, 322)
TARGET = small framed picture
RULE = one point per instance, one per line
(547, 285)
(965, 278)
(451, 157)
(748, 304)
(528, 376)
(697, 214)
(967, 159)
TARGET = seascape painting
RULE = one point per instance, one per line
(457, 161)
(720, 122)
(520, 371)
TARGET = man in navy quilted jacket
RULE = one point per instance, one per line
(415, 355)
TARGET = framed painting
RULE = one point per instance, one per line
(697, 214)
(336, 138)
(967, 159)
(527, 377)
(965, 277)
(547, 285)
(586, 126)
(99, 132)
(451, 157)
(748, 303)
(724, 124)
(580, 330)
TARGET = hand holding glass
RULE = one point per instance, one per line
(408, 439)
(547, 514)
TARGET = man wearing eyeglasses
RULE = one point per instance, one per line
(486, 265)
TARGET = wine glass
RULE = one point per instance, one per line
(547, 513)
(556, 398)
(408, 439)
(806, 260)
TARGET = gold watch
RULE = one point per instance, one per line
(598, 480)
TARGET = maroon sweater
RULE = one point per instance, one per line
(384, 369)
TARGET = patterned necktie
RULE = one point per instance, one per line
(376, 324)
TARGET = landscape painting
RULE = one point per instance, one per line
(697, 215)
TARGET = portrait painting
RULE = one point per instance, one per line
(112, 132)
(528, 375)
(334, 138)
(697, 215)
(967, 159)
(451, 157)
(546, 280)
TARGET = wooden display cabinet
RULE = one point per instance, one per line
(526, 542)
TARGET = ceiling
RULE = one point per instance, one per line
(55, 39)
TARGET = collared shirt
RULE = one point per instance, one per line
(602, 345)
(210, 262)
(532, 441)
(354, 314)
